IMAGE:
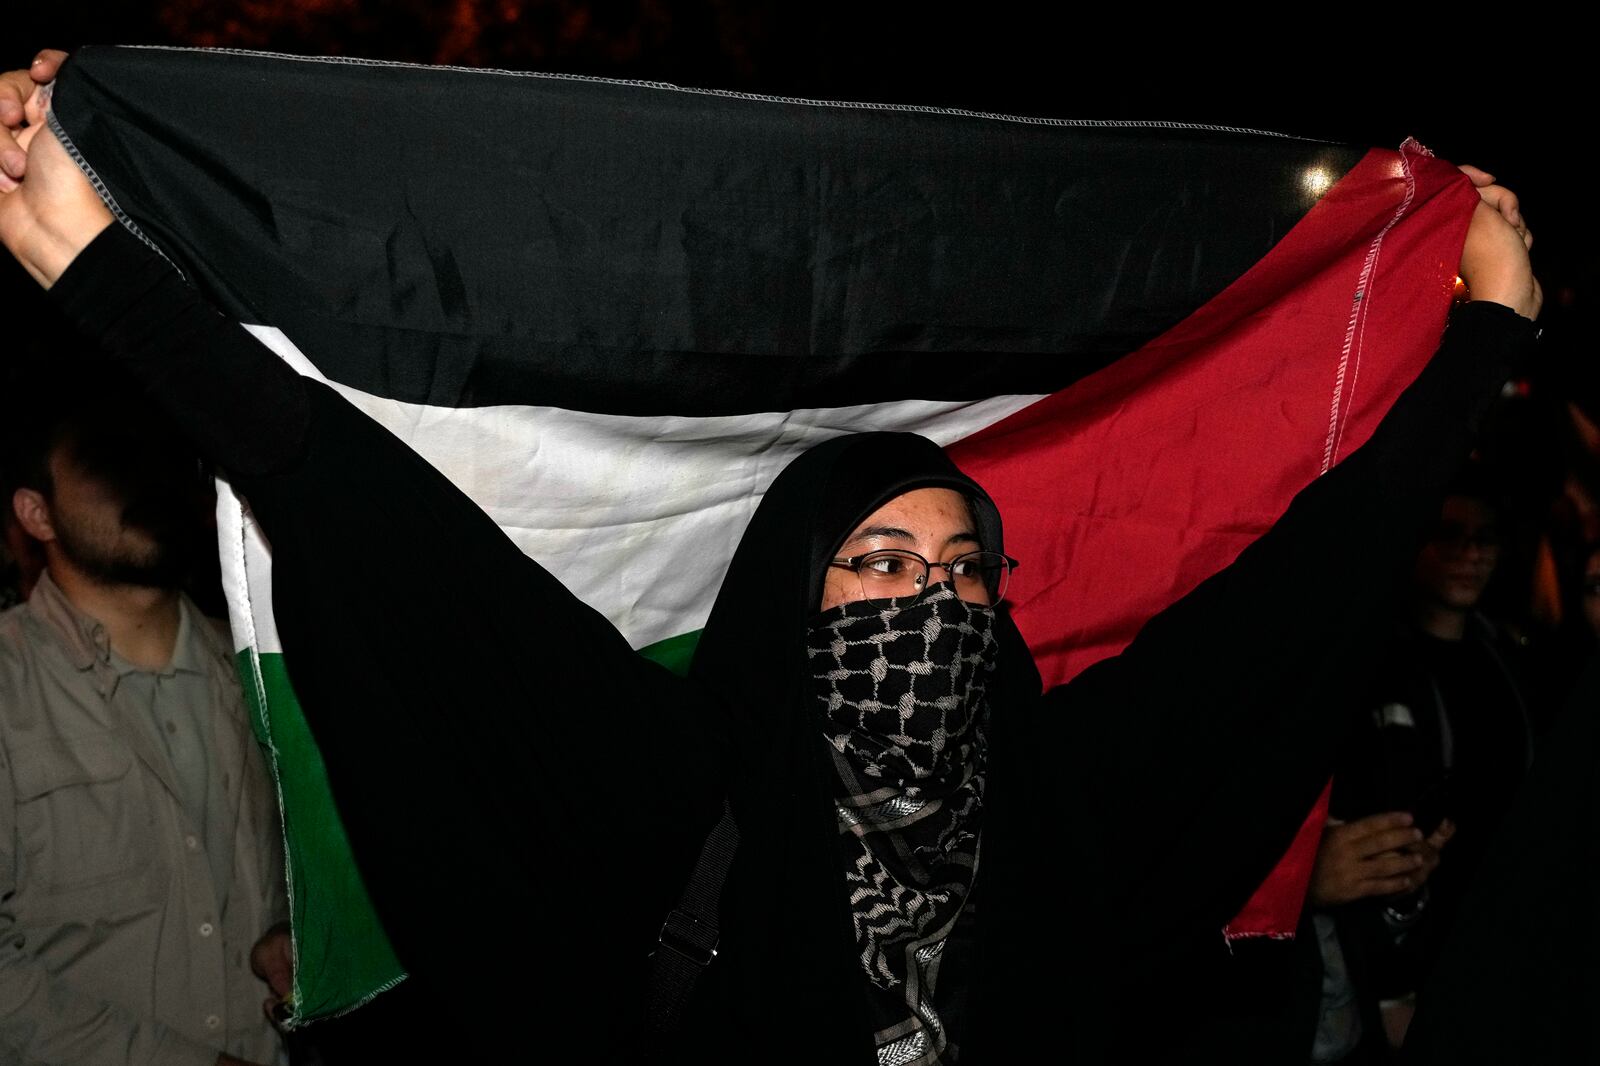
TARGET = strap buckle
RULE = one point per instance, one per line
(686, 935)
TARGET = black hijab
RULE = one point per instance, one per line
(788, 971)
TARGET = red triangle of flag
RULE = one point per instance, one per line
(1125, 491)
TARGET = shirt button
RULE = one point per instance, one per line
(172, 727)
(213, 1022)
(191, 842)
(206, 929)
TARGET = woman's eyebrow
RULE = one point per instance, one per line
(896, 533)
(892, 532)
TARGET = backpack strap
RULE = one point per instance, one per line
(688, 939)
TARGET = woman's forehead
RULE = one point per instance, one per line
(927, 513)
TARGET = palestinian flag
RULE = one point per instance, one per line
(612, 312)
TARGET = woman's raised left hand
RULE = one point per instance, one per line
(1494, 259)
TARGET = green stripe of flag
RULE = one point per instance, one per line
(342, 956)
(675, 653)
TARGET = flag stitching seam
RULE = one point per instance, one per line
(1355, 330)
(102, 191)
(733, 94)
(241, 582)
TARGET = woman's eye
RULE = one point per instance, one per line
(885, 566)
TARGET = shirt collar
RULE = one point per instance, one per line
(84, 638)
(186, 651)
(87, 642)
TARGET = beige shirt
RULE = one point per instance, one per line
(118, 944)
(178, 704)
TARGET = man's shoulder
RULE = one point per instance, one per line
(36, 678)
(18, 637)
(12, 616)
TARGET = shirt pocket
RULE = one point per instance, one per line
(82, 816)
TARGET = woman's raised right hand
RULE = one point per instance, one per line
(48, 210)
(53, 213)
(22, 103)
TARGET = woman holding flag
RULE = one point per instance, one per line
(934, 858)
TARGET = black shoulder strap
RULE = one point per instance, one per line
(688, 939)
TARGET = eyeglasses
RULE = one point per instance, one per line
(978, 577)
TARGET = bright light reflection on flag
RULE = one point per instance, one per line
(1316, 180)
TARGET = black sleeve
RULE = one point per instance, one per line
(243, 408)
(489, 738)
(1203, 745)
(460, 695)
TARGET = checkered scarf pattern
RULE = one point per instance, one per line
(901, 684)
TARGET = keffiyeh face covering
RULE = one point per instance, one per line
(901, 687)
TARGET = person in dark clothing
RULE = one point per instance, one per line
(1516, 981)
(1443, 742)
(980, 869)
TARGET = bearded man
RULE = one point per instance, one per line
(139, 851)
